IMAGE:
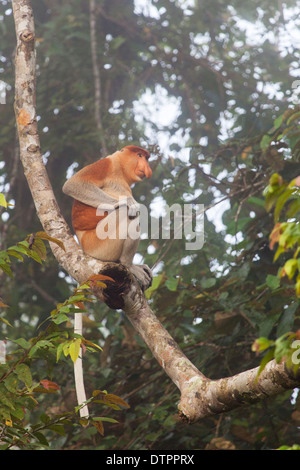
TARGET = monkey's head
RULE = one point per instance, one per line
(135, 163)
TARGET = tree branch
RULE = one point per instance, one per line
(200, 396)
(97, 77)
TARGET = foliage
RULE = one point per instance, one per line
(214, 102)
(294, 447)
(33, 247)
(284, 199)
(18, 390)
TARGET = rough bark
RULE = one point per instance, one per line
(200, 396)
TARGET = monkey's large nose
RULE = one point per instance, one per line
(141, 174)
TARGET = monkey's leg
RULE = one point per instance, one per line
(103, 249)
(141, 272)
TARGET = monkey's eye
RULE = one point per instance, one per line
(140, 155)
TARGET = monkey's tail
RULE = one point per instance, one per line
(78, 370)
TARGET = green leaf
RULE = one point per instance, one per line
(207, 283)
(117, 42)
(276, 180)
(172, 283)
(11, 383)
(20, 248)
(40, 248)
(265, 141)
(45, 418)
(22, 343)
(60, 318)
(279, 251)
(32, 254)
(64, 309)
(41, 438)
(3, 202)
(24, 374)
(290, 268)
(257, 201)
(4, 399)
(282, 199)
(45, 236)
(157, 281)
(4, 258)
(293, 117)
(287, 319)
(74, 349)
(18, 412)
(272, 281)
(6, 268)
(58, 428)
(282, 348)
(261, 344)
(39, 345)
(4, 320)
(14, 253)
(293, 208)
(270, 200)
(108, 420)
(278, 122)
(267, 358)
(59, 351)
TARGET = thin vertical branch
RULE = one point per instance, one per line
(97, 78)
(78, 370)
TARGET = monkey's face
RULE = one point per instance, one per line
(142, 168)
(135, 164)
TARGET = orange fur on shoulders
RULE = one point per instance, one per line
(97, 171)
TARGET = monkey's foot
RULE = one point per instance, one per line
(143, 274)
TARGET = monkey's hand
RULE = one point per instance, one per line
(133, 208)
(123, 201)
(143, 274)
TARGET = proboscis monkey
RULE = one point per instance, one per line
(104, 208)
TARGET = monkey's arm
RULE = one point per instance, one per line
(88, 193)
(86, 185)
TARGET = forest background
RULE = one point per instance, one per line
(211, 90)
